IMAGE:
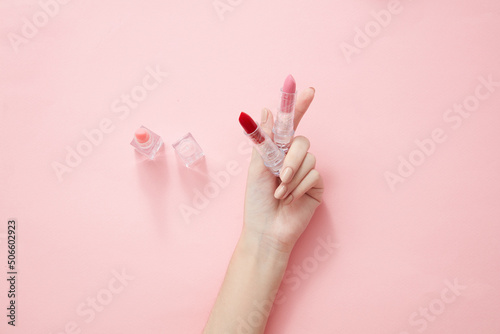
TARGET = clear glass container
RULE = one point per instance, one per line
(188, 150)
(146, 142)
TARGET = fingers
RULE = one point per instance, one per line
(311, 184)
(267, 122)
(285, 189)
(303, 102)
(299, 175)
(316, 191)
(296, 154)
(300, 145)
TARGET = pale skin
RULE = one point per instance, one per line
(277, 211)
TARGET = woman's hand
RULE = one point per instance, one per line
(275, 217)
(277, 212)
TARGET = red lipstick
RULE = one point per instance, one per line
(250, 128)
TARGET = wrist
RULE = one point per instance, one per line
(264, 248)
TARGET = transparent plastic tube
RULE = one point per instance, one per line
(283, 125)
(272, 155)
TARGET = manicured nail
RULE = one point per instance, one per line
(264, 116)
(288, 200)
(286, 175)
(280, 192)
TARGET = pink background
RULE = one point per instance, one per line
(114, 212)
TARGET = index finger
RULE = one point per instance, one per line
(303, 102)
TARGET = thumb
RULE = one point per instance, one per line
(267, 122)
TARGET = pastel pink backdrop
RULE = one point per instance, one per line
(114, 212)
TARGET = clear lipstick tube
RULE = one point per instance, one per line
(283, 124)
(272, 155)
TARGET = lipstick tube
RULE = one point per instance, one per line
(283, 125)
(271, 154)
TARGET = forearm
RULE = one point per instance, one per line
(247, 294)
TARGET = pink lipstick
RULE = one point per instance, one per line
(272, 155)
(283, 125)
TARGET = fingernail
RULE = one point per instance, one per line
(264, 116)
(314, 90)
(280, 192)
(286, 176)
(288, 200)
